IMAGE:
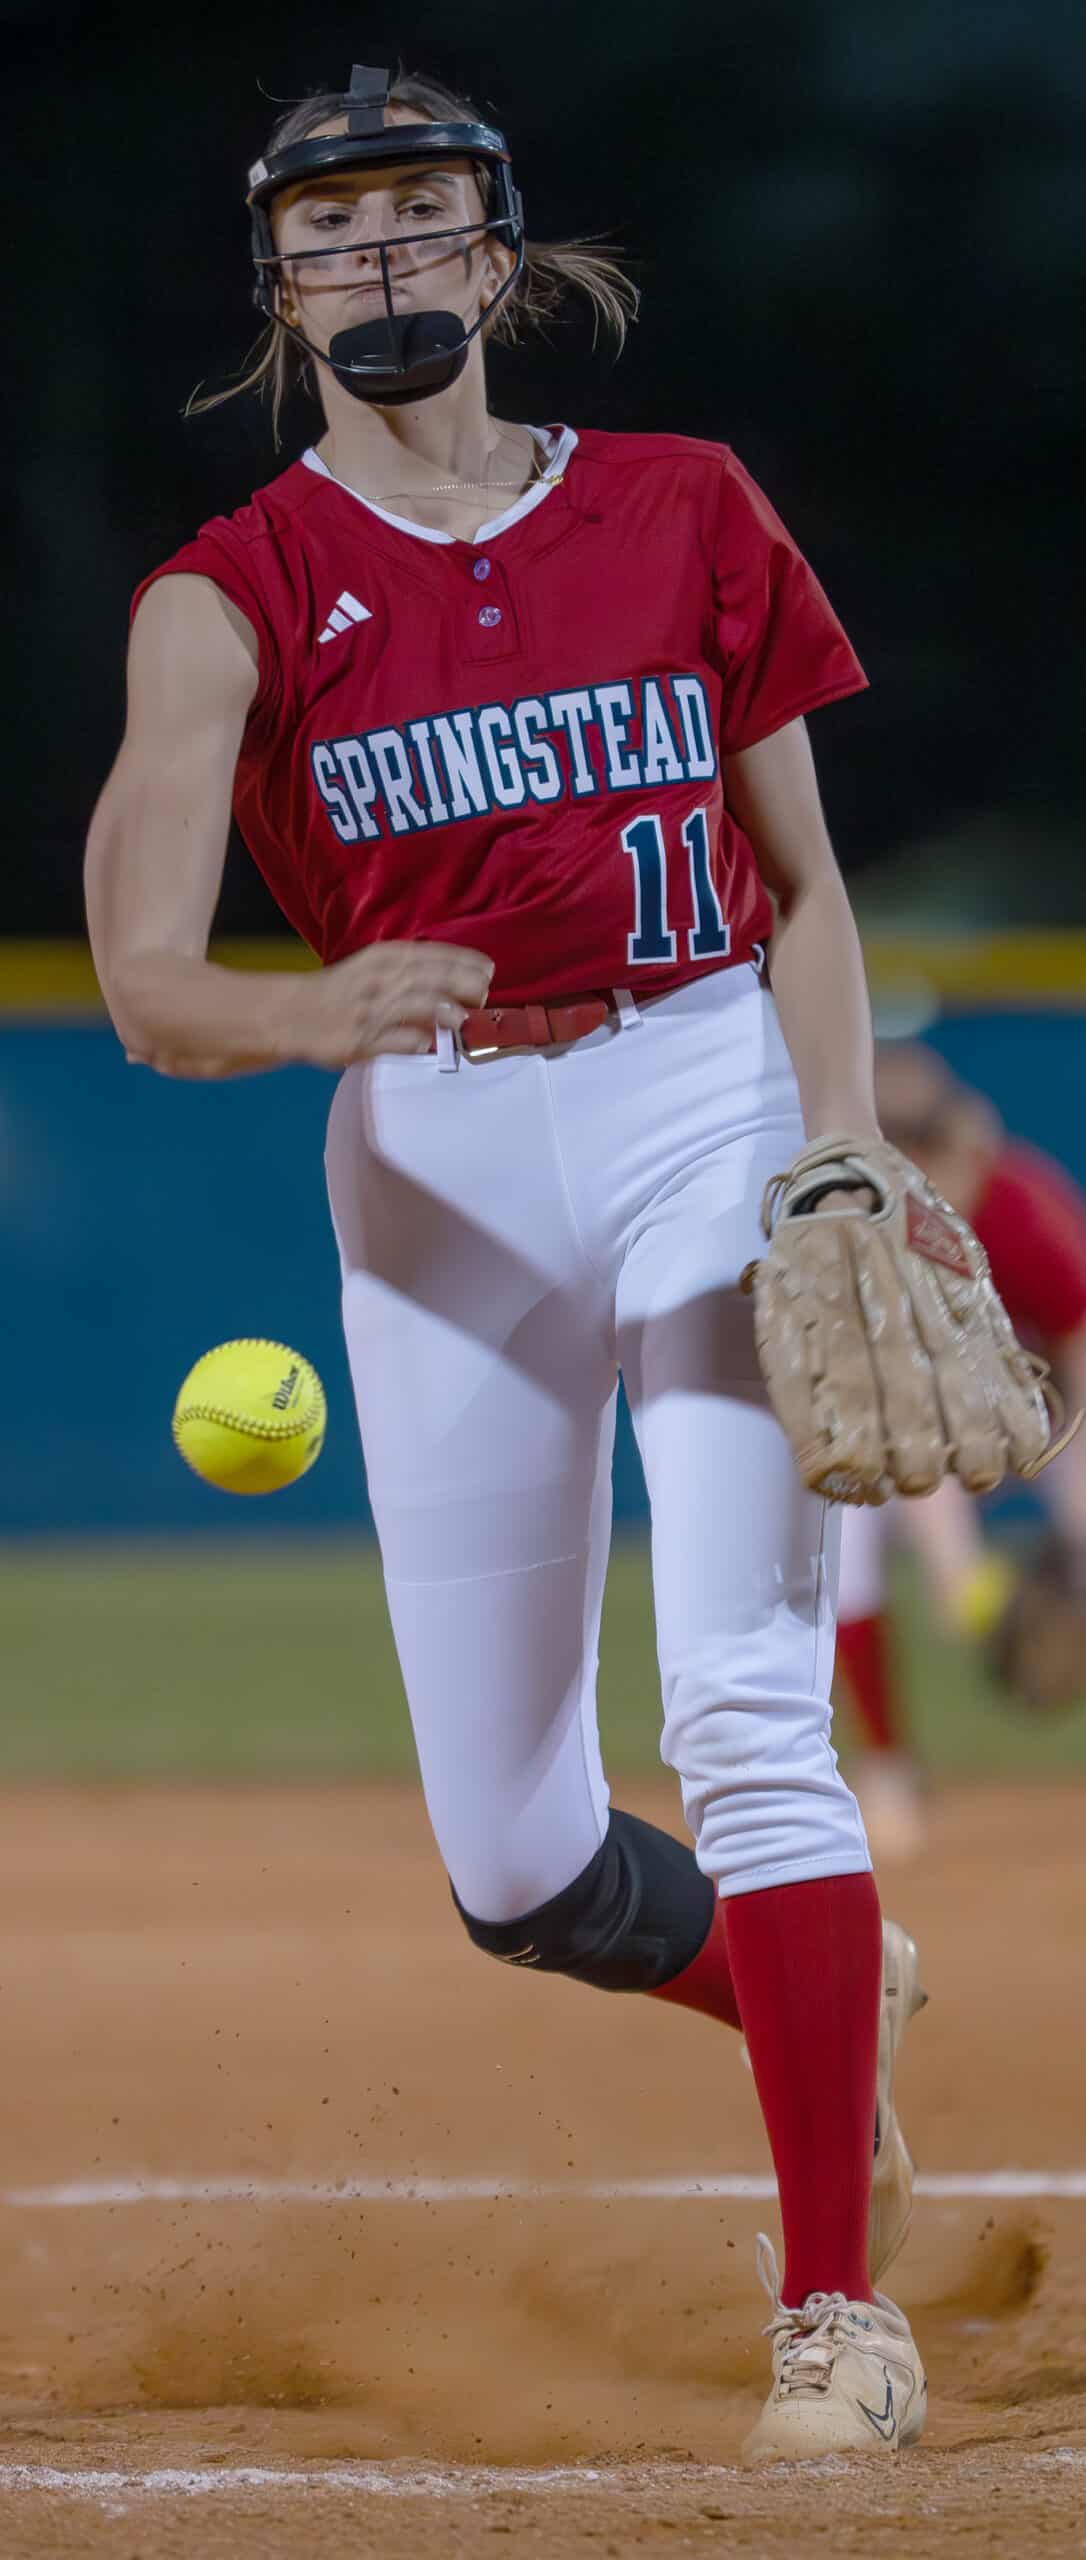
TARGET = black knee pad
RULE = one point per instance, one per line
(637, 1915)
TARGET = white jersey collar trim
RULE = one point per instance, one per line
(557, 443)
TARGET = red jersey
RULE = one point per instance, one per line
(1031, 1220)
(515, 742)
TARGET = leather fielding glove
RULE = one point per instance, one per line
(888, 1356)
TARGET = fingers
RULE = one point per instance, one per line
(441, 972)
(389, 999)
(404, 1040)
(432, 983)
(427, 970)
(415, 1030)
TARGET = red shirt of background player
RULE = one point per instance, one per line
(1031, 1219)
(515, 743)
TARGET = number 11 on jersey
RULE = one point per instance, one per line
(652, 937)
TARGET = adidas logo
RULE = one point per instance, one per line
(345, 610)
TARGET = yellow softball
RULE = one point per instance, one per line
(250, 1417)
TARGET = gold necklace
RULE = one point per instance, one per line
(453, 488)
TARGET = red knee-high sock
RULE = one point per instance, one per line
(706, 1984)
(806, 1961)
(865, 1655)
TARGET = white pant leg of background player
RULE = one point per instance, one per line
(866, 1532)
(946, 1533)
(483, 1368)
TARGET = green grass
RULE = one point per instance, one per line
(277, 1661)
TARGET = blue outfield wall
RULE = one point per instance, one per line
(142, 1220)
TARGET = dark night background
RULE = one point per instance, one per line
(860, 228)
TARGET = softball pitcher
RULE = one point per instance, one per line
(512, 720)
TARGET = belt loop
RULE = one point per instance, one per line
(629, 1019)
(448, 1055)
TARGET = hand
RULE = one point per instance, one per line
(387, 1001)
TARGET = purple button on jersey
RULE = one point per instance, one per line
(490, 616)
(481, 569)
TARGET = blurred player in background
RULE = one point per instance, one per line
(1031, 1219)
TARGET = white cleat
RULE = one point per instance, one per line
(846, 2377)
(894, 2174)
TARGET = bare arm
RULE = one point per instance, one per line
(154, 867)
(157, 844)
(818, 971)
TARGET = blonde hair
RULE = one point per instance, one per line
(552, 269)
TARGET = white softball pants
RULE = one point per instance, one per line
(513, 1233)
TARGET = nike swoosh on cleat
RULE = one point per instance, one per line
(884, 2420)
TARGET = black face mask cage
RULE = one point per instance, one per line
(404, 356)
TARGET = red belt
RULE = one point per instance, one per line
(492, 1030)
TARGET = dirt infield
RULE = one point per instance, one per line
(261, 2102)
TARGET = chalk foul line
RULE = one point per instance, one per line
(412, 2480)
(1004, 2185)
(111, 2489)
